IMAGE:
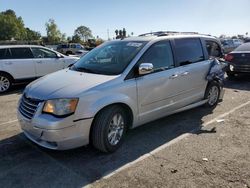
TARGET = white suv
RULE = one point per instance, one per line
(23, 62)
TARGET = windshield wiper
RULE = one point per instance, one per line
(83, 69)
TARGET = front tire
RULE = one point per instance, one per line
(212, 94)
(109, 129)
(5, 82)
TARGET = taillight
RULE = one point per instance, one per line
(229, 57)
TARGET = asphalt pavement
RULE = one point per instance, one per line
(201, 147)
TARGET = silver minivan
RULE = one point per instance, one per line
(120, 85)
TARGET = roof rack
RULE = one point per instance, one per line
(167, 33)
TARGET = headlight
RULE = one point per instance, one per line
(60, 107)
(231, 68)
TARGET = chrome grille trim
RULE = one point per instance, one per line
(28, 107)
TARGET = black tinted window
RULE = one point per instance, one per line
(21, 53)
(188, 51)
(160, 55)
(213, 49)
(243, 47)
(2, 53)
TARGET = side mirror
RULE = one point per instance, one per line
(145, 68)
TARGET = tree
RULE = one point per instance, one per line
(124, 32)
(32, 35)
(83, 32)
(76, 39)
(11, 26)
(120, 34)
(116, 32)
(53, 33)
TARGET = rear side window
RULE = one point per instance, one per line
(188, 51)
(160, 55)
(43, 53)
(21, 53)
(213, 49)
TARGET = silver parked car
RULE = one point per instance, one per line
(118, 86)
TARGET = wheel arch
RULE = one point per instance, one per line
(125, 106)
(4, 72)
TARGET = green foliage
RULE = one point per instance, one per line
(53, 33)
(11, 26)
(76, 39)
(32, 35)
(82, 32)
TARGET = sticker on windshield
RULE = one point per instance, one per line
(134, 44)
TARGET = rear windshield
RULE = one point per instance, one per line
(243, 47)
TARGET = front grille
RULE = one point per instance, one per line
(28, 107)
(242, 68)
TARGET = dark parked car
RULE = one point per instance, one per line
(239, 60)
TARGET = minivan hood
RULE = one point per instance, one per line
(64, 84)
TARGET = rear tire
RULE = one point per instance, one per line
(109, 128)
(212, 94)
(5, 82)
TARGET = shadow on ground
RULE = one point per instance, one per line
(23, 164)
(17, 89)
(239, 82)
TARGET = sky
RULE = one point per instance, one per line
(103, 17)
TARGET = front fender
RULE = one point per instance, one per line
(113, 99)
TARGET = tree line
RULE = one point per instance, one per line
(13, 28)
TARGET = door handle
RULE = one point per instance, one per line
(8, 63)
(39, 62)
(185, 73)
(173, 76)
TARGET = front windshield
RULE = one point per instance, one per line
(110, 58)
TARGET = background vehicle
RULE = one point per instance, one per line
(121, 85)
(71, 49)
(229, 45)
(18, 63)
(239, 60)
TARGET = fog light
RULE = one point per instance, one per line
(231, 67)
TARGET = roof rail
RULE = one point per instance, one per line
(167, 33)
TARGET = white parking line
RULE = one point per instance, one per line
(8, 122)
(172, 142)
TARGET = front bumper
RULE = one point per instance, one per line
(68, 137)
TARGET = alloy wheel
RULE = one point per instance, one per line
(213, 95)
(4, 84)
(116, 129)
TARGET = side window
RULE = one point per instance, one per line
(188, 51)
(72, 46)
(160, 55)
(21, 53)
(43, 53)
(78, 46)
(2, 53)
(213, 49)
